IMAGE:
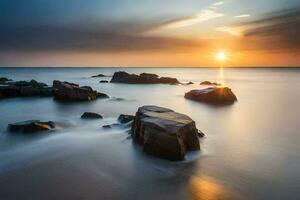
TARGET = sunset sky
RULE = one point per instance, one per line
(149, 33)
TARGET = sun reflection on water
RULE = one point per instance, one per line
(207, 189)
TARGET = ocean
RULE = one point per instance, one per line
(251, 149)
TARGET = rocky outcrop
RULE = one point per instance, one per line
(210, 83)
(213, 95)
(165, 133)
(125, 118)
(25, 89)
(65, 91)
(144, 78)
(31, 126)
(91, 115)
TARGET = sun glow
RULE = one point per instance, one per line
(221, 56)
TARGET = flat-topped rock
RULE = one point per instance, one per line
(65, 91)
(210, 83)
(91, 115)
(31, 126)
(213, 95)
(144, 78)
(165, 133)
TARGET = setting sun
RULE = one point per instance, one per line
(221, 56)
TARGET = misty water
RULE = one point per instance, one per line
(251, 148)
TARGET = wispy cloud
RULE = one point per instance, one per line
(242, 16)
(203, 16)
(219, 3)
(235, 31)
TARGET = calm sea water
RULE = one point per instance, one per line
(251, 150)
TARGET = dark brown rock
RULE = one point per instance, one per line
(65, 91)
(213, 95)
(103, 81)
(144, 78)
(164, 133)
(91, 115)
(31, 126)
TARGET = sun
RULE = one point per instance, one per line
(221, 56)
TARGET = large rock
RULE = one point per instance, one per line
(31, 126)
(25, 89)
(65, 91)
(213, 95)
(165, 133)
(144, 78)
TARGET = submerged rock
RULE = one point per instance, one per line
(102, 95)
(125, 118)
(99, 76)
(91, 115)
(65, 91)
(4, 80)
(165, 133)
(144, 78)
(213, 95)
(31, 126)
(189, 83)
(109, 126)
(210, 83)
(25, 89)
(103, 81)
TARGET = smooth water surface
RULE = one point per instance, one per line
(251, 148)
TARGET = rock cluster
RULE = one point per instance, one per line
(10, 89)
(65, 91)
(144, 78)
(165, 133)
(213, 95)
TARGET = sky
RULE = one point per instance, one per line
(150, 33)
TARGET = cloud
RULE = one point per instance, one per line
(203, 16)
(242, 16)
(279, 30)
(219, 3)
(89, 38)
(235, 31)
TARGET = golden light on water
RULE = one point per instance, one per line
(207, 189)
